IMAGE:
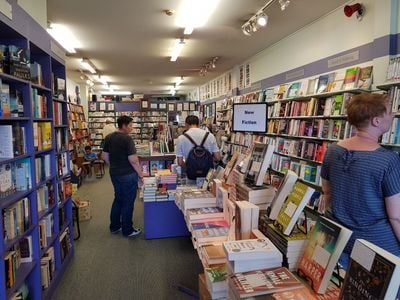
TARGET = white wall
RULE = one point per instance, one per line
(37, 9)
(71, 84)
(327, 36)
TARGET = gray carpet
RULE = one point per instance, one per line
(113, 267)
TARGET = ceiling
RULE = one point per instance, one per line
(129, 41)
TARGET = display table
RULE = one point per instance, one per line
(163, 220)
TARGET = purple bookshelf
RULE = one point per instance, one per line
(22, 31)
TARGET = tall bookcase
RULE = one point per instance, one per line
(43, 152)
(78, 129)
(98, 113)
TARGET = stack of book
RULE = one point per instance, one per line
(149, 193)
(261, 196)
(212, 255)
(16, 219)
(251, 255)
(205, 213)
(276, 282)
(47, 267)
(292, 246)
(216, 282)
(204, 233)
(195, 198)
(246, 219)
(161, 195)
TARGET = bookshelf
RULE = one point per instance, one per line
(78, 129)
(97, 115)
(34, 199)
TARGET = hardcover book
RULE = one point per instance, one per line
(251, 249)
(293, 206)
(324, 248)
(351, 78)
(260, 160)
(365, 78)
(373, 273)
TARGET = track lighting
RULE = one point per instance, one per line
(209, 65)
(88, 65)
(284, 4)
(260, 19)
(176, 51)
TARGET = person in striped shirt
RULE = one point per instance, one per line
(361, 179)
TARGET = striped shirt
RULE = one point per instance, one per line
(360, 181)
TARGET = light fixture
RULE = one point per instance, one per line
(209, 65)
(64, 36)
(179, 81)
(177, 49)
(262, 20)
(172, 91)
(194, 13)
(100, 79)
(89, 82)
(122, 93)
(284, 4)
(88, 65)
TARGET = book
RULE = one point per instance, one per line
(260, 160)
(216, 279)
(6, 180)
(214, 254)
(373, 273)
(337, 83)
(293, 206)
(326, 244)
(365, 78)
(284, 190)
(252, 249)
(246, 219)
(322, 86)
(262, 282)
(145, 167)
(351, 78)
(293, 90)
(204, 213)
(7, 141)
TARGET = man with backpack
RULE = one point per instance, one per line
(196, 149)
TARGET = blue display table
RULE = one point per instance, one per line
(163, 220)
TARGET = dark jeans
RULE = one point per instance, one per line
(125, 188)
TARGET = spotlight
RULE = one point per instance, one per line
(253, 26)
(262, 20)
(284, 4)
(246, 29)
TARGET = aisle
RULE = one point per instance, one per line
(112, 267)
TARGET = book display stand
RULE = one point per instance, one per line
(35, 227)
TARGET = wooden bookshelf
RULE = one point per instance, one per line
(78, 129)
(44, 108)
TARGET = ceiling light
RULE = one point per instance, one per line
(106, 86)
(262, 19)
(100, 79)
(176, 51)
(284, 4)
(179, 81)
(122, 93)
(246, 30)
(88, 65)
(253, 26)
(64, 36)
(194, 13)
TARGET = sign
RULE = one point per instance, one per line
(250, 117)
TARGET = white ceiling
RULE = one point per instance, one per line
(130, 40)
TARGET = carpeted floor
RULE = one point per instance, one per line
(112, 267)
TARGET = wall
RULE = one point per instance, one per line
(71, 84)
(327, 37)
(37, 9)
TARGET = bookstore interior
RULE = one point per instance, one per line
(302, 200)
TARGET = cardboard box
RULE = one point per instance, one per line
(84, 211)
(204, 294)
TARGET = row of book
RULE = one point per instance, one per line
(11, 101)
(302, 149)
(64, 189)
(15, 176)
(62, 164)
(61, 135)
(345, 79)
(319, 128)
(393, 71)
(46, 230)
(42, 167)
(305, 171)
(47, 268)
(13, 140)
(393, 135)
(42, 136)
(45, 197)
(16, 219)
(58, 114)
(39, 105)
(331, 106)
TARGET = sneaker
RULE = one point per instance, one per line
(116, 231)
(135, 232)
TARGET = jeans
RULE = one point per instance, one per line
(125, 188)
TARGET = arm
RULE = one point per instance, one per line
(106, 157)
(134, 161)
(217, 156)
(180, 161)
(393, 211)
(325, 204)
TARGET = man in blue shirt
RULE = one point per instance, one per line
(184, 145)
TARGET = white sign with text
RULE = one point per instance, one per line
(251, 117)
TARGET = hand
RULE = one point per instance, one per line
(141, 181)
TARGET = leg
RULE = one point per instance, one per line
(127, 205)
(115, 215)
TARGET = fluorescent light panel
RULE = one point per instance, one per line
(122, 93)
(87, 64)
(177, 49)
(195, 13)
(64, 36)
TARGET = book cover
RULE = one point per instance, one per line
(293, 206)
(284, 189)
(351, 78)
(365, 78)
(263, 282)
(322, 84)
(326, 243)
(337, 84)
(6, 137)
(251, 249)
(209, 224)
(144, 164)
(294, 90)
(373, 273)
(260, 160)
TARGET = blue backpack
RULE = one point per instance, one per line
(199, 160)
